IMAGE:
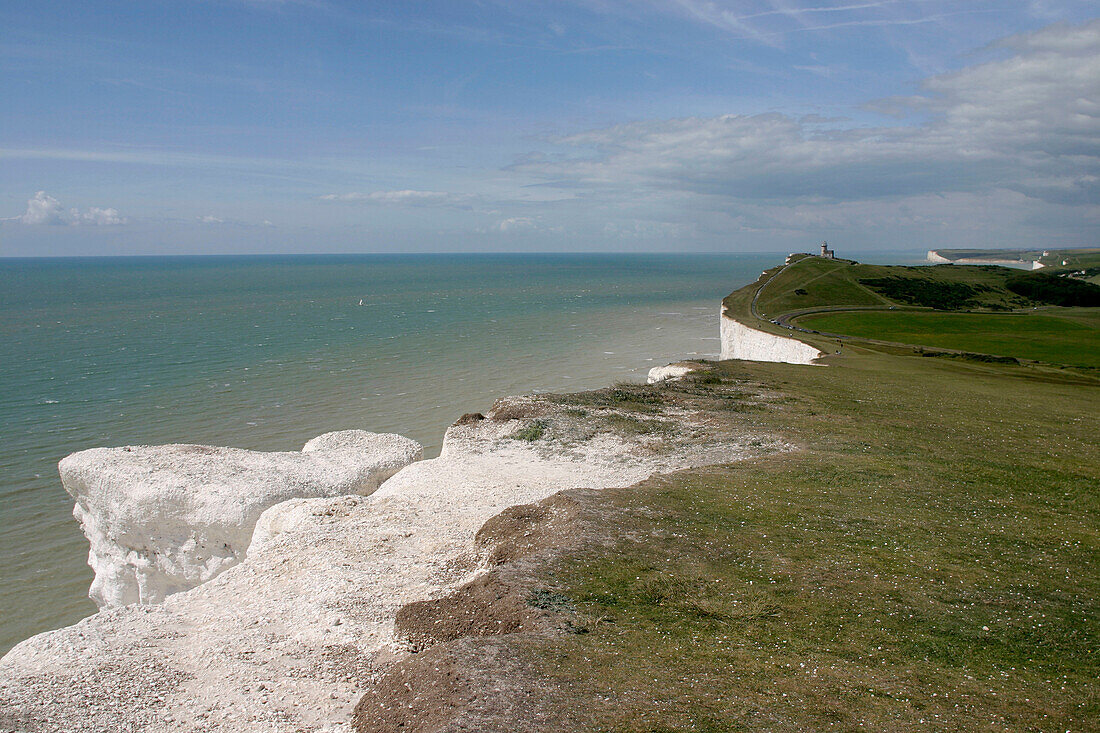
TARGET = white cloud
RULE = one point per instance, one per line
(214, 220)
(404, 198)
(515, 224)
(100, 217)
(45, 209)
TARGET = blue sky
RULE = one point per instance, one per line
(241, 126)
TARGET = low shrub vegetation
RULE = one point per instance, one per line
(918, 291)
(531, 432)
(1054, 290)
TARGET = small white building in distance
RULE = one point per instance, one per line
(826, 252)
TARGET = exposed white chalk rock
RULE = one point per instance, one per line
(741, 342)
(670, 371)
(163, 519)
(283, 641)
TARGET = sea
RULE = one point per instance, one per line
(268, 352)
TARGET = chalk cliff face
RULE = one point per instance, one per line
(283, 640)
(741, 342)
(163, 519)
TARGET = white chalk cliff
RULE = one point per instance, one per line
(163, 519)
(283, 641)
(742, 342)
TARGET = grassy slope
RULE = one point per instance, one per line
(1038, 336)
(825, 282)
(835, 284)
(931, 560)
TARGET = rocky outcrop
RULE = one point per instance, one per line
(670, 371)
(741, 342)
(163, 519)
(287, 639)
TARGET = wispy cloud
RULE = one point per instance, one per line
(1020, 132)
(515, 224)
(404, 198)
(141, 157)
(884, 22)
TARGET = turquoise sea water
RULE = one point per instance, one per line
(267, 352)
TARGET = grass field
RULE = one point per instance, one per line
(815, 282)
(822, 281)
(929, 561)
(1074, 341)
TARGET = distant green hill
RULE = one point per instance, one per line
(818, 299)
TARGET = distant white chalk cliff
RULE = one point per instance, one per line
(936, 257)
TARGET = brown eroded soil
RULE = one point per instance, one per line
(463, 673)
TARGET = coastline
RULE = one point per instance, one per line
(287, 354)
(286, 639)
(589, 560)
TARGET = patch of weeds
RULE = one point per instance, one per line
(625, 396)
(532, 432)
(752, 607)
(548, 600)
(629, 425)
(746, 407)
(707, 377)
